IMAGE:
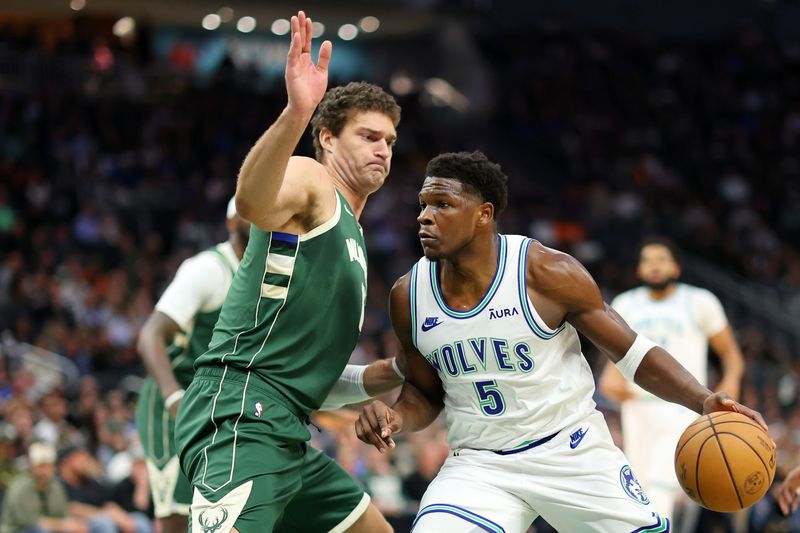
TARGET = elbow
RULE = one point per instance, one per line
(244, 208)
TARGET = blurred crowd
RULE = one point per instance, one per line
(112, 175)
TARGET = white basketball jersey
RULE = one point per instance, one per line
(681, 324)
(508, 378)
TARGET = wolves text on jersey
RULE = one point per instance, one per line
(466, 357)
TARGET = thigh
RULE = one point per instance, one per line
(336, 499)
(255, 506)
(469, 495)
(589, 487)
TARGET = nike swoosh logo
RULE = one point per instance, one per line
(427, 326)
(577, 437)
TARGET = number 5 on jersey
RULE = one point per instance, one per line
(490, 398)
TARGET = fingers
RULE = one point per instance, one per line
(755, 415)
(324, 56)
(302, 26)
(309, 31)
(371, 425)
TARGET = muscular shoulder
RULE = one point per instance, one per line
(400, 307)
(551, 270)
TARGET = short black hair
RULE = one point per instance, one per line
(658, 240)
(474, 170)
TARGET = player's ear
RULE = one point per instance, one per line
(486, 214)
(326, 137)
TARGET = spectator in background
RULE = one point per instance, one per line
(90, 500)
(36, 501)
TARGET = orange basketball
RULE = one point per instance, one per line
(725, 461)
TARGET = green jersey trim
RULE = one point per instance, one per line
(490, 292)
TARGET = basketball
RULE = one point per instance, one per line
(725, 461)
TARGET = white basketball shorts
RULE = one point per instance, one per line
(578, 481)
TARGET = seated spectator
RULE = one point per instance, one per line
(90, 500)
(36, 501)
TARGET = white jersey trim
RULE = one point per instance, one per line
(532, 317)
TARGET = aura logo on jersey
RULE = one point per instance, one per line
(632, 486)
(502, 313)
(213, 521)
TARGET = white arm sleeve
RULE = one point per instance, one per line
(200, 284)
(708, 312)
(349, 389)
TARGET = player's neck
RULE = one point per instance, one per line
(664, 293)
(355, 199)
(472, 270)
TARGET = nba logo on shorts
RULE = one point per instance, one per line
(258, 409)
(632, 486)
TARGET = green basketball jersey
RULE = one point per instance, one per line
(295, 308)
(187, 346)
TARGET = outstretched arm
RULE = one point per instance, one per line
(359, 383)
(271, 190)
(566, 284)
(422, 396)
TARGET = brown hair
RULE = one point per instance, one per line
(339, 103)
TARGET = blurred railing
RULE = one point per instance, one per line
(48, 369)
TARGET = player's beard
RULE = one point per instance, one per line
(661, 285)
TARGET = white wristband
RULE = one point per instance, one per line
(173, 398)
(397, 370)
(633, 358)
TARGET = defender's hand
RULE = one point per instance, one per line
(377, 423)
(305, 82)
(720, 401)
(788, 493)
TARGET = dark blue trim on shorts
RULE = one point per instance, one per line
(464, 514)
(533, 444)
(661, 525)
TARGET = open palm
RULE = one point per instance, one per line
(306, 82)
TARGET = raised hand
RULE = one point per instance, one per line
(720, 401)
(306, 82)
(377, 423)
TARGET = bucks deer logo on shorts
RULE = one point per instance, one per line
(632, 486)
(212, 519)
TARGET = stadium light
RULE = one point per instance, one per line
(317, 29)
(348, 32)
(211, 21)
(77, 5)
(246, 24)
(369, 24)
(281, 27)
(124, 27)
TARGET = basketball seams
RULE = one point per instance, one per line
(697, 470)
(766, 468)
(707, 418)
(727, 466)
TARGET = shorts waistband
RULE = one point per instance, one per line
(240, 376)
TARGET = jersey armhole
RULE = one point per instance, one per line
(533, 319)
(412, 303)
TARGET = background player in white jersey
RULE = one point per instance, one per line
(178, 330)
(488, 326)
(683, 320)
